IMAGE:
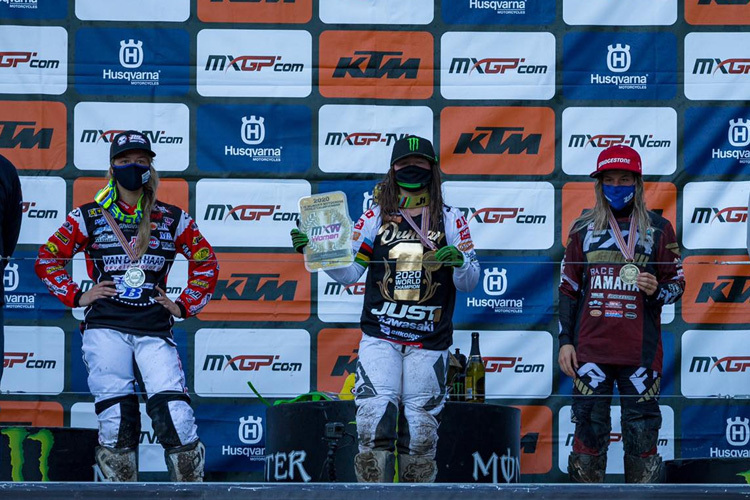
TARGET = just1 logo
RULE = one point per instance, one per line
(276, 361)
(714, 214)
(33, 134)
(33, 60)
(499, 65)
(717, 66)
(717, 289)
(717, 12)
(361, 64)
(712, 365)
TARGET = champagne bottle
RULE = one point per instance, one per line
(475, 373)
(458, 391)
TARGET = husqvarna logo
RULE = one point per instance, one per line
(495, 283)
(250, 430)
(738, 431)
(131, 53)
(10, 277)
(739, 133)
(253, 130)
(618, 58)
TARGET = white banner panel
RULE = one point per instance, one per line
(665, 444)
(652, 132)
(133, 10)
(150, 451)
(254, 63)
(506, 215)
(619, 13)
(340, 303)
(166, 125)
(44, 208)
(248, 213)
(34, 360)
(717, 66)
(477, 65)
(359, 139)
(715, 363)
(34, 60)
(518, 364)
(275, 361)
(714, 215)
(377, 11)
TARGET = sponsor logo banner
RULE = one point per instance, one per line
(31, 414)
(234, 435)
(359, 139)
(511, 290)
(150, 451)
(717, 289)
(339, 303)
(338, 352)
(359, 194)
(254, 63)
(33, 60)
(32, 9)
(260, 287)
(33, 134)
(276, 361)
(725, 151)
(376, 64)
(254, 139)
(248, 212)
(136, 10)
(497, 65)
(141, 62)
(716, 432)
(26, 297)
(97, 123)
(717, 12)
(536, 439)
(499, 12)
(377, 12)
(506, 215)
(34, 360)
(255, 11)
(617, 13)
(651, 131)
(615, 452)
(619, 66)
(714, 214)
(717, 66)
(497, 140)
(518, 364)
(578, 196)
(43, 208)
(715, 363)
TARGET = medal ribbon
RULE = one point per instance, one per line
(421, 231)
(120, 237)
(628, 250)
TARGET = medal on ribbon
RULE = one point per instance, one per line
(629, 272)
(134, 276)
(429, 262)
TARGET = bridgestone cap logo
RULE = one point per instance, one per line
(413, 143)
(614, 160)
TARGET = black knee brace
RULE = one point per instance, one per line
(157, 408)
(129, 433)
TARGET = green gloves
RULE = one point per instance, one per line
(450, 256)
(299, 240)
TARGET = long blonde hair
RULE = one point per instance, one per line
(147, 205)
(599, 215)
(387, 195)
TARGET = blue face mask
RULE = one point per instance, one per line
(618, 196)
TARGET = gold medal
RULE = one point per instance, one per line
(429, 262)
(629, 274)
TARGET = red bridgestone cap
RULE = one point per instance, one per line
(618, 158)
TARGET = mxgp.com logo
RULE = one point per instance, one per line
(251, 63)
(248, 363)
(727, 364)
(498, 364)
(248, 213)
(12, 59)
(500, 215)
(709, 66)
(27, 360)
(495, 66)
(703, 215)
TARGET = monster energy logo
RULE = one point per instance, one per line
(16, 437)
(413, 143)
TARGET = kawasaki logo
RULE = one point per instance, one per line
(16, 438)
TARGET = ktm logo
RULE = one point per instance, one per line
(376, 64)
(24, 135)
(494, 141)
(345, 364)
(732, 290)
(267, 287)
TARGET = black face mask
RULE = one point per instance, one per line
(131, 176)
(413, 178)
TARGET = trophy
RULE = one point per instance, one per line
(325, 219)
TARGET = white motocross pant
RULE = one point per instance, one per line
(399, 384)
(112, 358)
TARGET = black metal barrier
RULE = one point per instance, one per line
(316, 442)
(708, 471)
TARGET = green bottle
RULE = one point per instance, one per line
(475, 373)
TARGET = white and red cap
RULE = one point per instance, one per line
(618, 157)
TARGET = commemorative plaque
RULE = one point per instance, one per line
(325, 219)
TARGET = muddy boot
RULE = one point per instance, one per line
(416, 469)
(644, 470)
(375, 466)
(587, 468)
(185, 463)
(117, 464)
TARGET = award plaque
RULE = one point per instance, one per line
(325, 219)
